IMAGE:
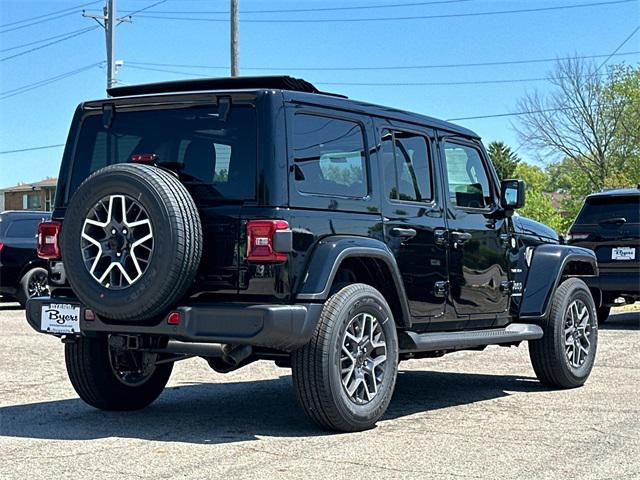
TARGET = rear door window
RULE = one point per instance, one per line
(329, 156)
(203, 149)
(406, 171)
(603, 209)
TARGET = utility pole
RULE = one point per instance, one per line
(235, 67)
(108, 22)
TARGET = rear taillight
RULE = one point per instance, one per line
(1, 245)
(263, 244)
(48, 236)
(572, 237)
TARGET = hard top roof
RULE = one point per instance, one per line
(295, 89)
(619, 192)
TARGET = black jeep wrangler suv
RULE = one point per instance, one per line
(258, 218)
(609, 224)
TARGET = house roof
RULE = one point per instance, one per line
(25, 187)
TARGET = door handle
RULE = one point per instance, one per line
(403, 232)
(460, 237)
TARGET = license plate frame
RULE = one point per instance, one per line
(61, 318)
(623, 254)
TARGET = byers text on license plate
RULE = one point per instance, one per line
(60, 318)
(623, 253)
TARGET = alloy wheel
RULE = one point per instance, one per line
(578, 326)
(133, 368)
(363, 358)
(38, 286)
(117, 241)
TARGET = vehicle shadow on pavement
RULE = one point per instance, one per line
(240, 411)
(622, 321)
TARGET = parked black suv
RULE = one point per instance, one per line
(22, 273)
(257, 218)
(609, 224)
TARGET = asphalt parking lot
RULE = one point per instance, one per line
(466, 415)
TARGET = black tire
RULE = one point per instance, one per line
(316, 367)
(177, 243)
(603, 314)
(549, 355)
(91, 373)
(26, 287)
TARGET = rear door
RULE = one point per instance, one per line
(610, 226)
(412, 210)
(212, 150)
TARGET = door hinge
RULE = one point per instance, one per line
(441, 288)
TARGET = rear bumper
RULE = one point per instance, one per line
(616, 282)
(284, 327)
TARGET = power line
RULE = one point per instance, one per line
(44, 39)
(618, 47)
(64, 10)
(431, 84)
(135, 12)
(48, 44)
(385, 19)
(46, 81)
(382, 67)
(30, 149)
(371, 84)
(320, 9)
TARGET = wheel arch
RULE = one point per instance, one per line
(342, 259)
(33, 263)
(550, 265)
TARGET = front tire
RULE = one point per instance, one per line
(106, 379)
(345, 376)
(564, 356)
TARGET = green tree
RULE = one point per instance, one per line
(579, 118)
(538, 206)
(503, 158)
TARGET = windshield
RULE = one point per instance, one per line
(205, 150)
(602, 209)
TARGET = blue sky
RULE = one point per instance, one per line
(41, 116)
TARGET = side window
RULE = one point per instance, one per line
(405, 166)
(468, 180)
(329, 156)
(23, 228)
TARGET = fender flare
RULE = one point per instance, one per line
(545, 273)
(329, 254)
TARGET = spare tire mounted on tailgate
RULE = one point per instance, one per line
(131, 241)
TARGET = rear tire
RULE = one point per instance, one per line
(341, 379)
(603, 314)
(564, 356)
(32, 284)
(90, 365)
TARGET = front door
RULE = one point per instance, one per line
(477, 235)
(414, 218)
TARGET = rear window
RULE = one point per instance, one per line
(205, 150)
(601, 209)
(329, 156)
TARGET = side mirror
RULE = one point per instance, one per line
(512, 194)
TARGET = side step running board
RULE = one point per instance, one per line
(430, 342)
